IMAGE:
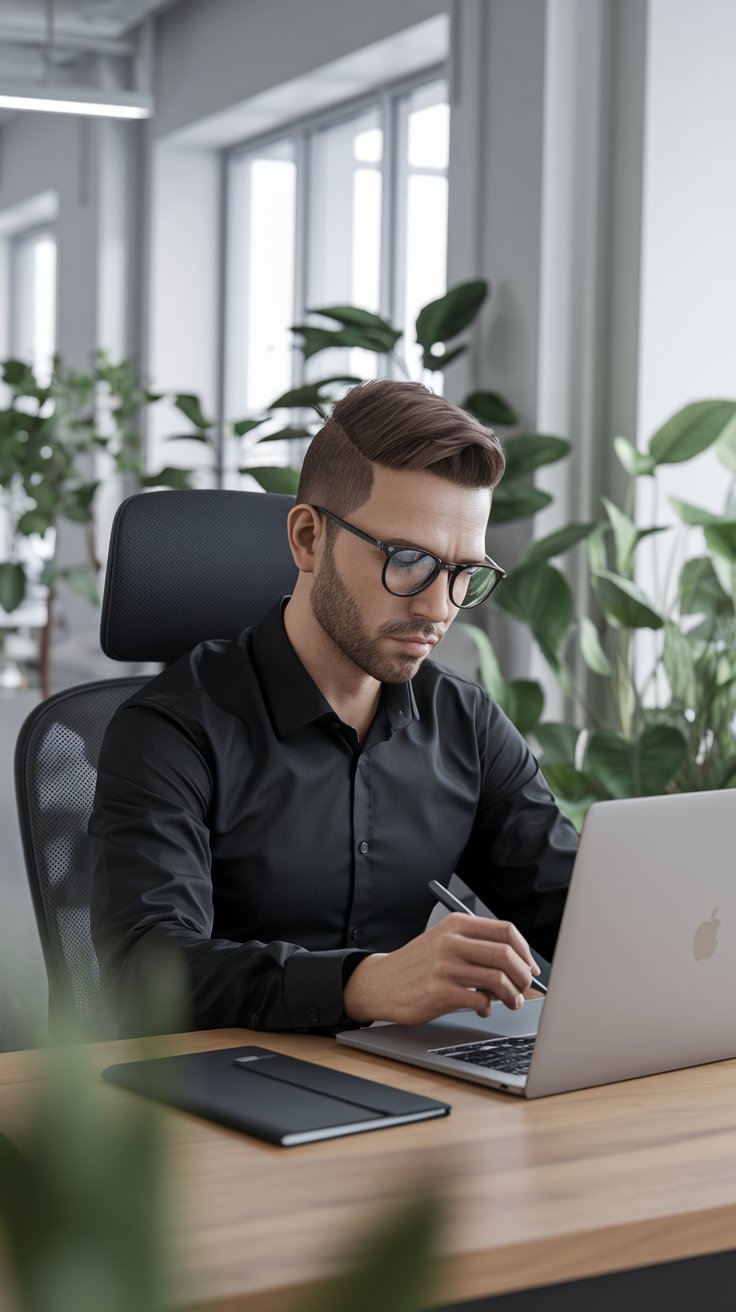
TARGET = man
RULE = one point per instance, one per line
(272, 809)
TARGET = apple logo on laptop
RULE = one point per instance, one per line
(705, 941)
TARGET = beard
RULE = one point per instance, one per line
(338, 614)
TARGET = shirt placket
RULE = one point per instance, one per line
(363, 854)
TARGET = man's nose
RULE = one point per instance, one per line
(433, 602)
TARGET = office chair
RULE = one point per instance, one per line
(183, 567)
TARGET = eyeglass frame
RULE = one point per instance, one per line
(452, 568)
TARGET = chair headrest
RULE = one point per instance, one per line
(185, 566)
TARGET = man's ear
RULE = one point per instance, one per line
(306, 529)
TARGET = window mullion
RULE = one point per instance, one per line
(389, 212)
(302, 241)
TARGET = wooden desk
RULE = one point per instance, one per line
(541, 1192)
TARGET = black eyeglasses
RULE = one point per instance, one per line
(409, 570)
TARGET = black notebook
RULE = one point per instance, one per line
(280, 1099)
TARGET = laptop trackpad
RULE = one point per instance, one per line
(461, 1027)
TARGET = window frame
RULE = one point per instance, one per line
(16, 241)
(386, 97)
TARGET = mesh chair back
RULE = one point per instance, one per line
(55, 774)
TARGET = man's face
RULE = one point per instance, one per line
(388, 637)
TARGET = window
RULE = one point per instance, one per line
(32, 328)
(349, 208)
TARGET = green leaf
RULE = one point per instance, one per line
(555, 544)
(274, 478)
(558, 742)
(354, 317)
(526, 452)
(243, 426)
(700, 592)
(690, 514)
(189, 405)
(33, 521)
(679, 665)
(539, 596)
(19, 375)
(725, 571)
(593, 654)
(511, 503)
(568, 783)
(284, 435)
(393, 1266)
(623, 603)
(169, 476)
(627, 536)
(641, 768)
(12, 585)
(490, 408)
(77, 504)
(597, 557)
(489, 670)
(322, 339)
(692, 430)
(443, 319)
(83, 581)
(721, 538)
(725, 446)
(309, 394)
(435, 359)
(523, 702)
(634, 462)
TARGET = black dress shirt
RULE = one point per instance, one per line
(237, 816)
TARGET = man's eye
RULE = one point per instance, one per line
(409, 558)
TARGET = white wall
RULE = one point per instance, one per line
(688, 340)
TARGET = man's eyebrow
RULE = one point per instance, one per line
(404, 542)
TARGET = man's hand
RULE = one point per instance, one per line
(437, 971)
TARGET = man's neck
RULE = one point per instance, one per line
(352, 693)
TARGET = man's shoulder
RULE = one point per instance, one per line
(202, 677)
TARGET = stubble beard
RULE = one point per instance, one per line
(338, 614)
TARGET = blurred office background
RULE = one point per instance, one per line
(575, 153)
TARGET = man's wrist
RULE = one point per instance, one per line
(361, 996)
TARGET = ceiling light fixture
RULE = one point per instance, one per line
(48, 98)
(76, 100)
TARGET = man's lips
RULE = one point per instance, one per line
(416, 644)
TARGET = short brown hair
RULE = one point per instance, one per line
(400, 425)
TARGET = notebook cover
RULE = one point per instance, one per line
(283, 1100)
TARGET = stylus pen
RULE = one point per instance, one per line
(453, 903)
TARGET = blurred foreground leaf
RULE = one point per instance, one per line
(392, 1270)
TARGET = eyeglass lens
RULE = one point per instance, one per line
(408, 572)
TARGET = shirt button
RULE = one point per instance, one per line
(354, 934)
(254, 1021)
(364, 848)
(313, 1014)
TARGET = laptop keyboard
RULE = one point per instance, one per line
(512, 1056)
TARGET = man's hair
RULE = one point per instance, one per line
(399, 425)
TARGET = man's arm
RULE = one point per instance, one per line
(518, 860)
(152, 894)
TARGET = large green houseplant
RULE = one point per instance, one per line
(662, 712)
(49, 433)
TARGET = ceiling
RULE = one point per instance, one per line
(80, 27)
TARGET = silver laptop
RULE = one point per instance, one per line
(644, 974)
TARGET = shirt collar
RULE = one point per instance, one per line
(292, 695)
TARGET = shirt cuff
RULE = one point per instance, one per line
(313, 987)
